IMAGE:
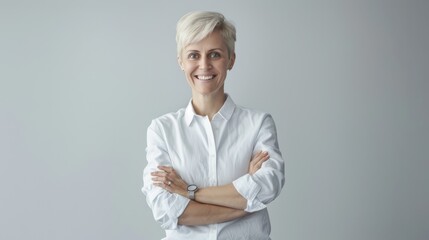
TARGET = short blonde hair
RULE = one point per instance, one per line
(195, 26)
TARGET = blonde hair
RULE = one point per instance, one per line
(195, 26)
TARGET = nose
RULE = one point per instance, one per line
(205, 63)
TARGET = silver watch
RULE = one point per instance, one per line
(192, 189)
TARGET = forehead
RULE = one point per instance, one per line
(213, 40)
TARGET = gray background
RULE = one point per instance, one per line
(346, 81)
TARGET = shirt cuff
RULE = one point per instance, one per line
(177, 207)
(166, 207)
(249, 189)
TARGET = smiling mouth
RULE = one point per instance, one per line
(205, 77)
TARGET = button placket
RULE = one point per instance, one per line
(212, 152)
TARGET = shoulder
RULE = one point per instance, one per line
(250, 113)
(168, 120)
(249, 118)
(261, 122)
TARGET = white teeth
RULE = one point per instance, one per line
(201, 77)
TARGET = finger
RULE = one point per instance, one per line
(255, 157)
(258, 154)
(166, 185)
(263, 155)
(159, 173)
(162, 183)
(166, 168)
(266, 156)
(263, 159)
(259, 158)
(159, 179)
(170, 172)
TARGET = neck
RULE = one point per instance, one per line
(208, 105)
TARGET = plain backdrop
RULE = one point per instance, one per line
(347, 83)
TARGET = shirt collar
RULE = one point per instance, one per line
(189, 113)
(225, 112)
(227, 109)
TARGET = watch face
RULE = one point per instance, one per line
(192, 187)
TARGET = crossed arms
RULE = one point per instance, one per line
(212, 204)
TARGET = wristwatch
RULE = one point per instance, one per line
(192, 189)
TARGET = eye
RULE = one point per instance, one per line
(193, 56)
(214, 55)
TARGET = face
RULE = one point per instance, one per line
(205, 64)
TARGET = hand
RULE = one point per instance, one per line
(257, 160)
(170, 180)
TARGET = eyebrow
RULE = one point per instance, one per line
(210, 50)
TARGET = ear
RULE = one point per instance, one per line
(179, 61)
(231, 61)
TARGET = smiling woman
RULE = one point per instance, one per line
(212, 166)
(205, 64)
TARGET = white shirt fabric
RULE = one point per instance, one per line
(213, 153)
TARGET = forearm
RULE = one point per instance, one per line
(225, 195)
(203, 214)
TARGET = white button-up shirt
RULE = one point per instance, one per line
(211, 153)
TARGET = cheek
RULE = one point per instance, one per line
(189, 75)
(188, 72)
(223, 66)
(188, 68)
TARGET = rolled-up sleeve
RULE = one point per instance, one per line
(166, 207)
(265, 185)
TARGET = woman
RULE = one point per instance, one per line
(201, 180)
